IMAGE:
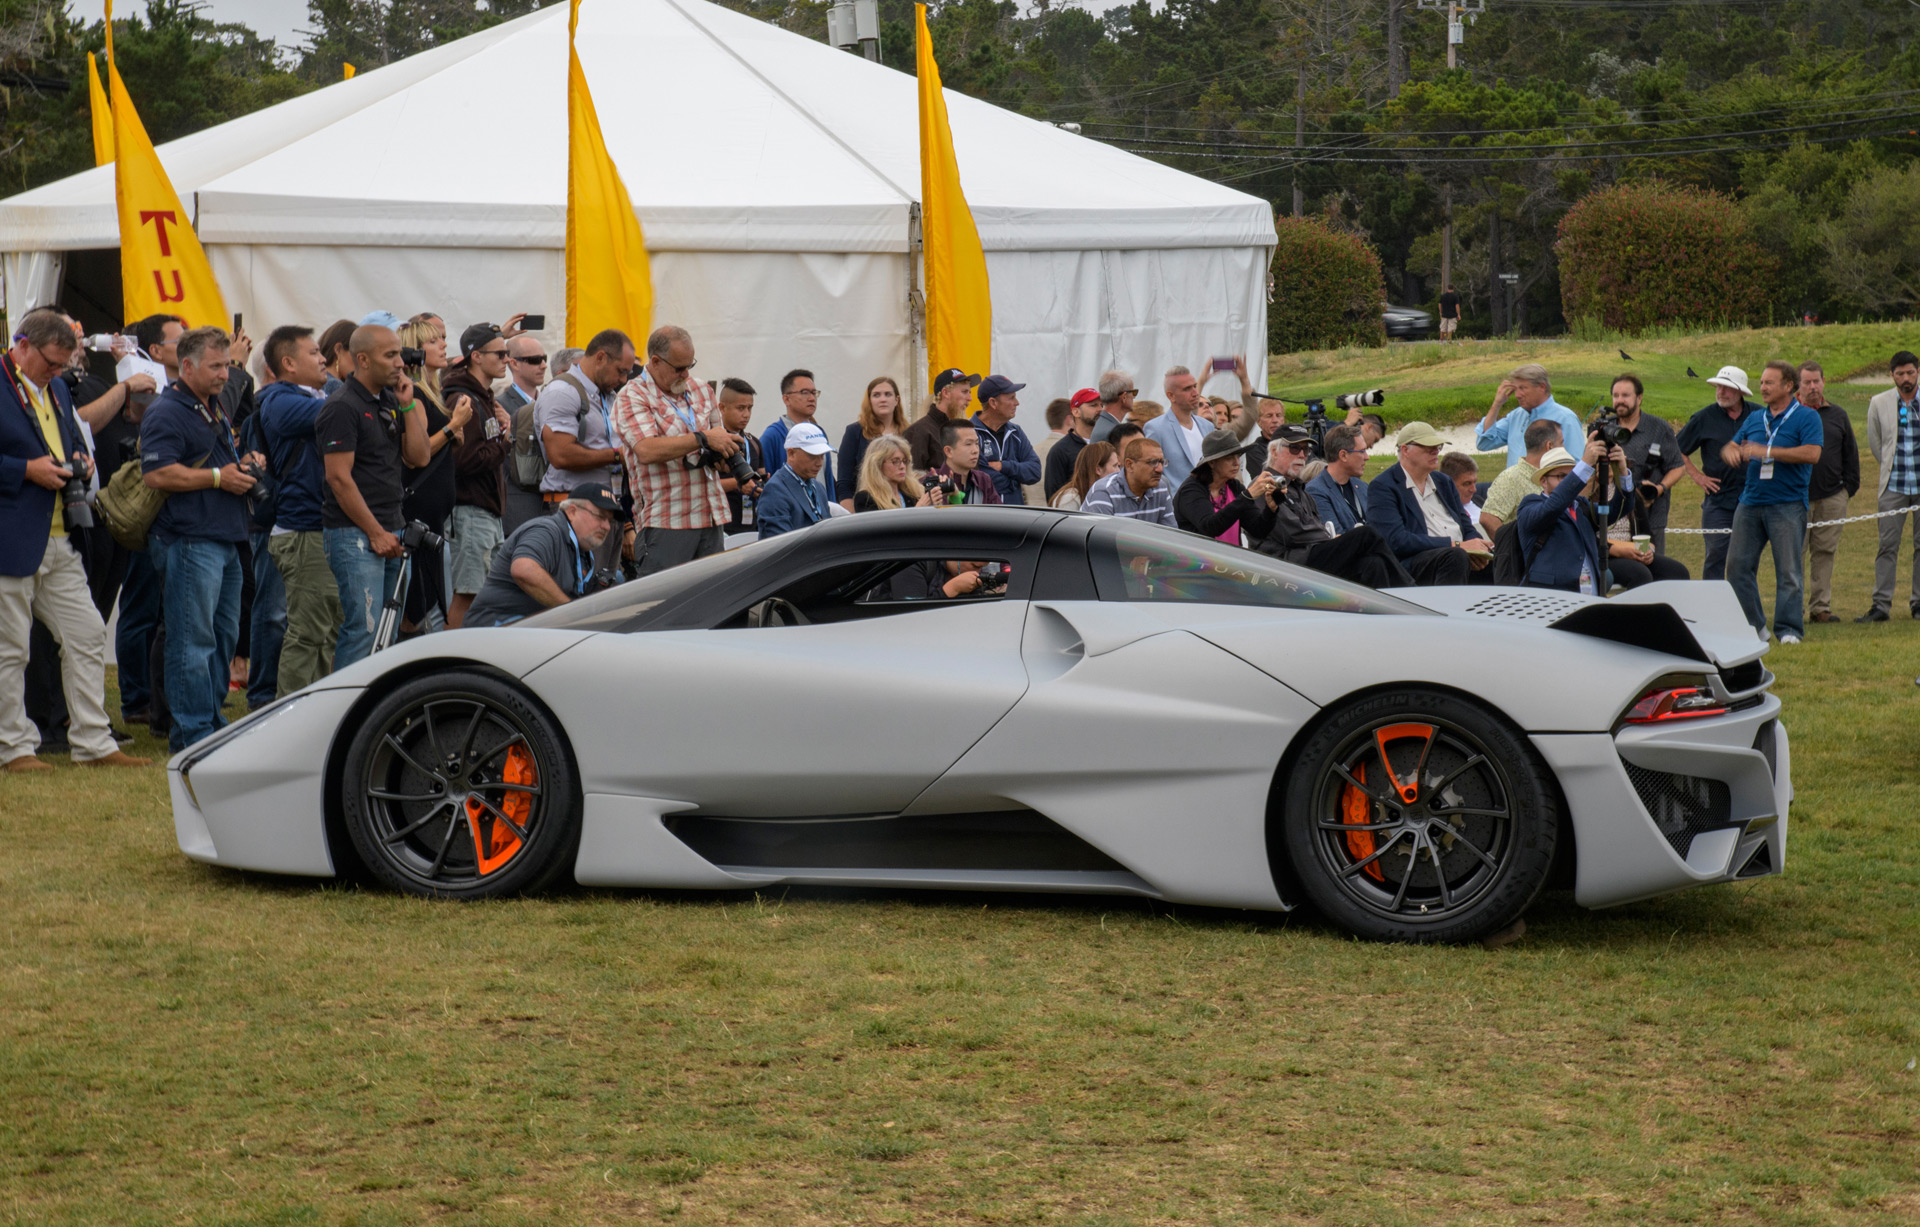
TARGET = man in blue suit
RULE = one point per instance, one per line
(796, 496)
(1418, 511)
(1338, 491)
(41, 575)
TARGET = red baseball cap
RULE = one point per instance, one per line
(1084, 396)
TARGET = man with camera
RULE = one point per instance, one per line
(1653, 458)
(1291, 528)
(795, 496)
(1418, 512)
(369, 432)
(549, 561)
(43, 485)
(289, 408)
(736, 412)
(188, 450)
(574, 418)
(958, 479)
(479, 464)
(1530, 386)
(669, 430)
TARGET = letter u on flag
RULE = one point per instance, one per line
(609, 281)
(959, 307)
(162, 267)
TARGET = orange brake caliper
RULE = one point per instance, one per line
(1356, 807)
(494, 842)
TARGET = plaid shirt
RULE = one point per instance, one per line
(1903, 464)
(669, 494)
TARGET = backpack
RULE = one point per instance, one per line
(1510, 566)
(253, 438)
(527, 462)
(129, 506)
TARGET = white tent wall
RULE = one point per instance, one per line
(32, 279)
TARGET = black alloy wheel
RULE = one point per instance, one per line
(456, 785)
(1420, 816)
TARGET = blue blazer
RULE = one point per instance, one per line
(1333, 505)
(1569, 542)
(782, 506)
(26, 509)
(1394, 511)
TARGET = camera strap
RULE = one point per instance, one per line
(18, 382)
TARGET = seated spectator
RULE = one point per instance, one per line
(1096, 460)
(1286, 523)
(886, 477)
(1372, 426)
(881, 413)
(1634, 563)
(1464, 472)
(1419, 514)
(1337, 489)
(1136, 491)
(1558, 549)
(959, 479)
(1516, 481)
(1272, 416)
(1212, 501)
(548, 561)
(795, 497)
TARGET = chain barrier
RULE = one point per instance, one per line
(1871, 515)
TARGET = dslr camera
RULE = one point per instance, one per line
(73, 495)
(411, 357)
(416, 535)
(993, 577)
(262, 484)
(1606, 426)
(737, 465)
(1372, 398)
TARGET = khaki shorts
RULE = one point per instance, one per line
(1447, 326)
(473, 535)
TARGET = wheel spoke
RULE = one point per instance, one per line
(446, 845)
(1379, 852)
(501, 815)
(380, 795)
(433, 731)
(490, 755)
(1469, 811)
(1470, 846)
(1354, 827)
(1439, 872)
(408, 758)
(1406, 879)
(473, 728)
(399, 835)
(1408, 791)
(532, 790)
(1456, 773)
(1377, 799)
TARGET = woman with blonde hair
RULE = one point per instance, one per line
(886, 477)
(1095, 461)
(881, 413)
(429, 497)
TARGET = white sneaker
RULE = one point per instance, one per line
(1766, 636)
(1789, 637)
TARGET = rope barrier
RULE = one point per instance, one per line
(1871, 515)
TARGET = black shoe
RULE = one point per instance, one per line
(1876, 614)
(120, 736)
(1916, 611)
(55, 746)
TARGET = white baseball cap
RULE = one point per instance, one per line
(1732, 377)
(808, 438)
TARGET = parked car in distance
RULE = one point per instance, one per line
(1407, 323)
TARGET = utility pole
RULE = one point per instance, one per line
(1396, 54)
(1459, 12)
(1299, 138)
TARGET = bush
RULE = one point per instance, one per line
(1643, 255)
(1873, 248)
(1327, 289)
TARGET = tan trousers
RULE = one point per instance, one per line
(57, 595)
(1822, 545)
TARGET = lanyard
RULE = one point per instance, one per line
(813, 500)
(30, 406)
(579, 562)
(1772, 427)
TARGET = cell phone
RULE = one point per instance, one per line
(1222, 364)
(533, 323)
(236, 321)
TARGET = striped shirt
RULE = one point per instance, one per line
(1903, 465)
(1112, 496)
(670, 494)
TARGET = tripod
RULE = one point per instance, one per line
(389, 625)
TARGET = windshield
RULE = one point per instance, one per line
(1144, 563)
(618, 607)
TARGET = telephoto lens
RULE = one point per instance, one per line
(73, 502)
(1372, 398)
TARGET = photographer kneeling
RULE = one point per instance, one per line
(548, 561)
(1286, 524)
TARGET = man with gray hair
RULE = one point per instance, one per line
(1116, 402)
(669, 429)
(1533, 390)
(547, 561)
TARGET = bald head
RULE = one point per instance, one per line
(376, 356)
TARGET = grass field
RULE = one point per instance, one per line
(180, 1044)
(1448, 384)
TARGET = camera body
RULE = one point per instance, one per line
(411, 357)
(416, 535)
(1606, 427)
(73, 498)
(943, 487)
(737, 465)
(992, 576)
(262, 483)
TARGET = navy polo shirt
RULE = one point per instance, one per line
(176, 429)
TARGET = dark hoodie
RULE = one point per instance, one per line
(477, 460)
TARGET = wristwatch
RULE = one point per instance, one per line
(448, 431)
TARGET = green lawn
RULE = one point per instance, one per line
(185, 1044)
(1447, 384)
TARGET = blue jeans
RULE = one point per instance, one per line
(1784, 527)
(365, 580)
(133, 635)
(1716, 517)
(201, 599)
(269, 626)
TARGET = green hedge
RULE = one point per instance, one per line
(1643, 255)
(1327, 289)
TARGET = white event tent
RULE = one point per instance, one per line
(776, 179)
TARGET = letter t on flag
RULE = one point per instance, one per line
(959, 307)
(162, 268)
(609, 281)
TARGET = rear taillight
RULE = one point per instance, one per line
(1674, 703)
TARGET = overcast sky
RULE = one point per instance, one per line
(280, 20)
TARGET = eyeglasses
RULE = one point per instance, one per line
(675, 367)
(804, 392)
(1299, 449)
(1158, 462)
(536, 360)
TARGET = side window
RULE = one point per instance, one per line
(876, 588)
(1132, 563)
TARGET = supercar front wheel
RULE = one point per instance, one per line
(456, 785)
(1420, 816)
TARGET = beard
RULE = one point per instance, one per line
(680, 386)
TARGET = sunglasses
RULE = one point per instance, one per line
(490, 353)
(536, 360)
(1300, 449)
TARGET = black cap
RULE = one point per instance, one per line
(953, 375)
(997, 385)
(598, 494)
(1292, 434)
(474, 337)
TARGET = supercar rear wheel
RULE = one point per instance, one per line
(456, 785)
(1420, 816)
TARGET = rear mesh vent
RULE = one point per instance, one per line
(1525, 606)
(1682, 806)
(1742, 677)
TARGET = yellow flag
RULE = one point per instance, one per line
(102, 116)
(346, 71)
(162, 267)
(609, 282)
(959, 309)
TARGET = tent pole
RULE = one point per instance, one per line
(916, 310)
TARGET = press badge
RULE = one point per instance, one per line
(1766, 470)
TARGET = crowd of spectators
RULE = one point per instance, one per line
(515, 480)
